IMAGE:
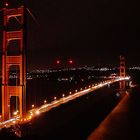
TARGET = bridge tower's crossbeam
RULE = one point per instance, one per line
(14, 62)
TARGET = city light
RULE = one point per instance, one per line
(70, 61)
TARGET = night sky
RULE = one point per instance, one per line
(89, 32)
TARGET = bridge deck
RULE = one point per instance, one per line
(46, 107)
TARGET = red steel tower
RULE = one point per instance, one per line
(122, 71)
(122, 66)
(13, 62)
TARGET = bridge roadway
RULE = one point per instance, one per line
(48, 106)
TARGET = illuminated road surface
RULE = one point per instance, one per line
(48, 106)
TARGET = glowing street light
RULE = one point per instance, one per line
(33, 105)
(30, 117)
(70, 61)
(37, 112)
(15, 113)
(63, 95)
(0, 117)
(14, 122)
(45, 101)
(55, 98)
(70, 92)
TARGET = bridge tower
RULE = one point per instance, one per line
(13, 61)
(122, 66)
(122, 71)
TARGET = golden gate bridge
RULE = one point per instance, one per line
(17, 61)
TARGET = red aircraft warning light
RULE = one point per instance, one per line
(58, 61)
(70, 61)
(6, 4)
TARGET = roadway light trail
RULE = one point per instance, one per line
(48, 106)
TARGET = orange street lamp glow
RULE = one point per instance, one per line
(63, 95)
(37, 112)
(33, 105)
(15, 113)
